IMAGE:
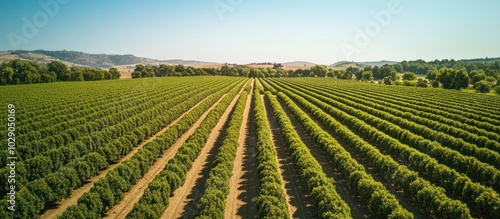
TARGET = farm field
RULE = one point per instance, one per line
(234, 147)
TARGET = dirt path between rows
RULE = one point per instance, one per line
(131, 197)
(403, 198)
(184, 199)
(77, 193)
(298, 200)
(359, 208)
(244, 182)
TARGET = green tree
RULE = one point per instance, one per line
(435, 84)
(139, 71)
(385, 71)
(409, 76)
(421, 83)
(453, 79)
(398, 67)
(491, 80)
(115, 74)
(245, 72)
(497, 90)
(60, 70)
(182, 68)
(49, 77)
(319, 70)
(253, 73)
(432, 75)
(277, 65)
(76, 73)
(376, 73)
(346, 75)
(6, 77)
(367, 76)
(92, 201)
(482, 86)
(351, 71)
(388, 80)
(477, 75)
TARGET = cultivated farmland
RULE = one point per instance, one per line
(234, 147)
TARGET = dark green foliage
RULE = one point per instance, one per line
(213, 201)
(437, 173)
(453, 79)
(71, 161)
(482, 86)
(422, 83)
(29, 72)
(271, 201)
(382, 203)
(155, 199)
(327, 201)
(409, 76)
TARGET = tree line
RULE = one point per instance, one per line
(448, 74)
(19, 71)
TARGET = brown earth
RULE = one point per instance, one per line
(244, 181)
(182, 202)
(359, 208)
(402, 198)
(77, 193)
(298, 200)
(135, 193)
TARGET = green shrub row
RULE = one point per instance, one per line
(155, 199)
(271, 201)
(325, 198)
(212, 203)
(111, 142)
(61, 183)
(382, 203)
(431, 130)
(428, 195)
(447, 121)
(110, 189)
(475, 194)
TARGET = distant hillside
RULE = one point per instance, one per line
(80, 58)
(362, 64)
(481, 60)
(93, 60)
(298, 63)
(384, 62)
(30, 56)
(377, 63)
(74, 58)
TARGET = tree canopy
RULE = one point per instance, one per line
(453, 79)
(19, 71)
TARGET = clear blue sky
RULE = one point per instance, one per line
(256, 30)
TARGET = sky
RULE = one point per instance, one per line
(247, 31)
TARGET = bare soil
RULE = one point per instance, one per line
(244, 182)
(131, 197)
(62, 205)
(184, 199)
(359, 208)
(298, 199)
(403, 199)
